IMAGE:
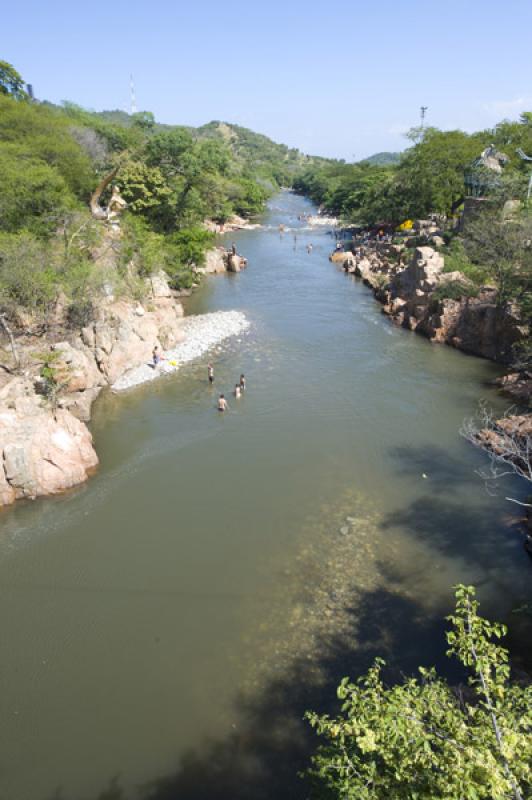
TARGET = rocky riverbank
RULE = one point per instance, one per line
(45, 446)
(417, 293)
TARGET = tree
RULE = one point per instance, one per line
(504, 249)
(32, 193)
(143, 187)
(431, 174)
(424, 739)
(144, 120)
(11, 83)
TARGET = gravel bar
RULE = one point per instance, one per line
(202, 332)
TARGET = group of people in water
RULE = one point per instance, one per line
(223, 405)
(240, 387)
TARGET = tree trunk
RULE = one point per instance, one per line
(96, 209)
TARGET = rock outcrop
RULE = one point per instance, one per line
(44, 445)
(41, 452)
(518, 385)
(411, 286)
(218, 259)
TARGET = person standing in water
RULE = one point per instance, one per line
(242, 383)
(210, 373)
(238, 392)
(309, 249)
(222, 403)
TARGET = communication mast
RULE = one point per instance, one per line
(423, 110)
(133, 98)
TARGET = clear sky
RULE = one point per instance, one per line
(334, 78)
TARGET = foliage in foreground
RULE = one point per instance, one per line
(424, 739)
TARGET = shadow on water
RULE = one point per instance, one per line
(271, 744)
(440, 516)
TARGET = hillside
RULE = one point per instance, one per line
(382, 159)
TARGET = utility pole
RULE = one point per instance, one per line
(133, 98)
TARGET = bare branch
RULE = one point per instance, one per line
(507, 440)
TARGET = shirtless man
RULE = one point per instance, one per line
(242, 383)
(210, 373)
(222, 403)
(238, 393)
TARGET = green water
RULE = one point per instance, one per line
(165, 626)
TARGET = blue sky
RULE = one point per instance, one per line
(342, 79)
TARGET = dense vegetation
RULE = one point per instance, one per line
(424, 739)
(172, 177)
(428, 178)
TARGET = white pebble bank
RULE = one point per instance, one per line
(202, 332)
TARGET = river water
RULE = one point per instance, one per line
(165, 626)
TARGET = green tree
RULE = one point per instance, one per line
(142, 186)
(503, 248)
(27, 277)
(32, 193)
(423, 739)
(144, 120)
(431, 174)
(11, 82)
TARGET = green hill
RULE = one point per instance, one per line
(382, 159)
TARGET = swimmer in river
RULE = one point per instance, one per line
(222, 403)
(210, 373)
(242, 383)
(238, 392)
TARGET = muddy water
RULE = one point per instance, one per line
(164, 627)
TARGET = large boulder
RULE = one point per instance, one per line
(158, 285)
(215, 260)
(235, 263)
(421, 276)
(76, 368)
(42, 452)
(124, 338)
(343, 257)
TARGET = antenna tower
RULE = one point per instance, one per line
(133, 98)
(423, 110)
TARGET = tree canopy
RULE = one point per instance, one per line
(425, 739)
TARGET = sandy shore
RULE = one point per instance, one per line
(202, 332)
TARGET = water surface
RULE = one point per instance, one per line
(165, 626)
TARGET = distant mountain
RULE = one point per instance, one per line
(382, 159)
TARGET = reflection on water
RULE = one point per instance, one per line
(166, 626)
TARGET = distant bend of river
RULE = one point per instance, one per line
(165, 626)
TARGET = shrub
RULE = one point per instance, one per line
(79, 313)
(423, 739)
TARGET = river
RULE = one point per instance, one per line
(165, 626)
